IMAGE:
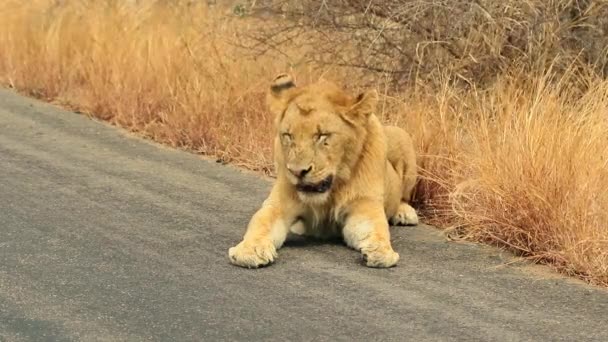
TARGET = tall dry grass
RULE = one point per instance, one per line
(164, 70)
(521, 164)
(528, 171)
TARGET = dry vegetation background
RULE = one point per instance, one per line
(507, 100)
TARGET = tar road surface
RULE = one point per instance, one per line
(104, 236)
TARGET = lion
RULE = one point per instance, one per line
(340, 172)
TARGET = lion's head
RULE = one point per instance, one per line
(321, 132)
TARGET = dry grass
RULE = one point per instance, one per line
(162, 70)
(524, 165)
(521, 164)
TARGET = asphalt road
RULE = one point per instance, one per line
(104, 236)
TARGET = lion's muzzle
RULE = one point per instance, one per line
(320, 187)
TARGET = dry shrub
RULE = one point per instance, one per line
(520, 163)
(413, 41)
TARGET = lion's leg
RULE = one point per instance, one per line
(265, 234)
(405, 214)
(402, 157)
(367, 231)
(409, 181)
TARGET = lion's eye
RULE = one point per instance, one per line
(321, 138)
(286, 138)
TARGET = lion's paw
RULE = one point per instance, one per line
(381, 258)
(405, 216)
(252, 255)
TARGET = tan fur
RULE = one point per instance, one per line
(323, 132)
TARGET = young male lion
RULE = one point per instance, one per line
(339, 172)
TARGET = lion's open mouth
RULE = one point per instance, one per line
(319, 188)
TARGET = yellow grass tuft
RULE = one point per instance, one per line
(532, 174)
(164, 70)
(522, 164)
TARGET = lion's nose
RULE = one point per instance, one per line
(299, 171)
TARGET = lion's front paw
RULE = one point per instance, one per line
(252, 255)
(405, 216)
(380, 258)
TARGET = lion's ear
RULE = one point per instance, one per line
(365, 105)
(282, 90)
(281, 83)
